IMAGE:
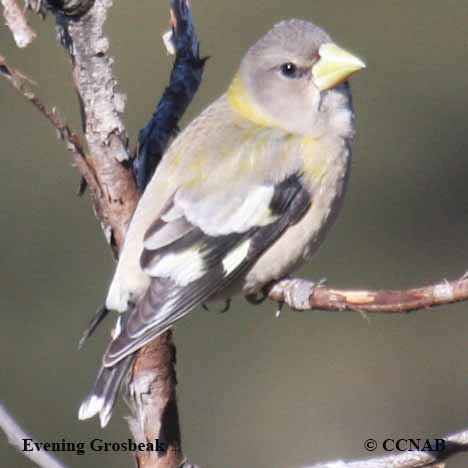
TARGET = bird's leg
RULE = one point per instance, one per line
(261, 296)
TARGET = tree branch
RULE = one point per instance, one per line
(115, 196)
(302, 295)
(101, 109)
(185, 79)
(17, 23)
(22, 84)
(153, 403)
(16, 436)
(152, 395)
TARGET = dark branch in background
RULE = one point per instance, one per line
(107, 169)
(185, 79)
(17, 23)
(16, 437)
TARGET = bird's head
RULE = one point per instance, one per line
(288, 77)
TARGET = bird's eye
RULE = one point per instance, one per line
(289, 70)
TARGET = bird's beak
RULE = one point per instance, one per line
(334, 66)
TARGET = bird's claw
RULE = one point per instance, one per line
(257, 298)
(227, 306)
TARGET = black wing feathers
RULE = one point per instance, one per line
(165, 302)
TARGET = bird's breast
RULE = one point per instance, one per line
(326, 172)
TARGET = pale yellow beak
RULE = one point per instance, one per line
(334, 66)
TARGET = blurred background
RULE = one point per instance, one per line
(255, 390)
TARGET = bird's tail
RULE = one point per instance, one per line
(105, 391)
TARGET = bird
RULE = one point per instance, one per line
(243, 196)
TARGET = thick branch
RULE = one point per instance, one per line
(152, 400)
(16, 436)
(152, 383)
(102, 106)
(115, 196)
(154, 404)
(18, 24)
(303, 295)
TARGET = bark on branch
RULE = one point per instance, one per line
(101, 106)
(153, 398)
(16, 21)
(302, 295)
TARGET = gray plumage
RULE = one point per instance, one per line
(242, 197)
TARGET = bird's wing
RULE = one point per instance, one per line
(192, 253)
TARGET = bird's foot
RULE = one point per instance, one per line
(227, 306)
(257, 298)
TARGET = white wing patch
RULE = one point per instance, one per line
(255, 209)
(234, 258)
(218, 216)
(182, 267)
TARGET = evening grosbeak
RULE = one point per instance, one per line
(242, 197)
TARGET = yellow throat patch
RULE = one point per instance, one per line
(241, 101)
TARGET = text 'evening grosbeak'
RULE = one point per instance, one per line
(241, 198)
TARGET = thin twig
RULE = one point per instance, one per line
(22, 84)
(17, 23)
(454, 444)
(302, 295)
(17, 437)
